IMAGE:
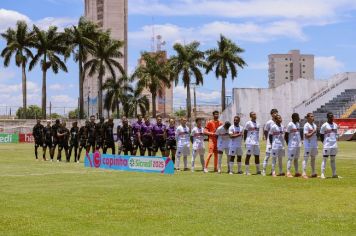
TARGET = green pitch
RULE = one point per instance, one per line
(43, 198)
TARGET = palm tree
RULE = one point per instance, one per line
(187, 63)
(18, 44)
(81, 39)
(104, 57)
(224, 60)
(138, 101)
(116, 92)
(50, 46)
(153, 74)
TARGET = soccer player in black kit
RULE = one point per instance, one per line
(83, 139)
(37, 133)
(63, 137)
(99, 134)
(74, 140)
(91, 134)
(109, 141)
(55, 128)
(47, 140)
(125, 134)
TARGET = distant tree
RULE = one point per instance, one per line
(180, 113)
(32, 112)
(75, 114)
(18, 43)
(56, 116)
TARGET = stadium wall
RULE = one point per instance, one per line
(287, 98)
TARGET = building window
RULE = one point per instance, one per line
(286, 77)
(303, 72)
(286, 65)
(303, 65)
(286, 59)
(303, 59)
(286, 71)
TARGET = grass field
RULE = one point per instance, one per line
(44, 198)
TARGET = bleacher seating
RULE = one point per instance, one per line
(338, 105)
(353, 114)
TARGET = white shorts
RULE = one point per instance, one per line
(235, 151)
(185, 151)
(268, 147)
(223, 146)
(310, 152)
(253, 150)
(293, 153)
(224, 150)
(329, 151)
(278, 152)
(199, 151)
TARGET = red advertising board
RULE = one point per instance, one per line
(26, 138)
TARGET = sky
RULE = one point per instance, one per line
(325, 28)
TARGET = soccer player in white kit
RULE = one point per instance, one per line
(235, 149)
(294, 141)
(328, 135)
(198, 143)
(252, 141)
(267, 128)
(183, 143)
(276, 135)
(223, 143)
(310, 145)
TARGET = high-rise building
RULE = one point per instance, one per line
(112, 15)
(288, 67)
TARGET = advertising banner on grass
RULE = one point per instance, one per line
(130, 163)
(9, 138)
(26, 138)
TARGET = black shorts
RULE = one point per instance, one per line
(126, 147)
(76, 144)
(63, 145)
(109, 144)
(159, 144)
(147, 142)
(91, 143)
(47, 144)
(83, 143)
(171, 144)
(136, 144)
(99, 143)
(38, 143)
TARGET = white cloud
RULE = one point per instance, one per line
(7, 74)
(8, 18)
(258, 66)
(203, 97)
(208, 33)
(63, 100)
(328, 65)
(291, 9)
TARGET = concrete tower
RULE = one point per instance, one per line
(112, 15)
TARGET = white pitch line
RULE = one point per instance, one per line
(55, 173)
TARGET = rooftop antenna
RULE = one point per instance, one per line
(160, 43)
(153, 36)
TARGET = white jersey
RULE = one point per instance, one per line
(235, 142)
(223, 137)
(294, 139)
(253, 133)
(198, 138)
(268, 127)
(182, 136)
(330, 135)
(277, 133)
(311, 142)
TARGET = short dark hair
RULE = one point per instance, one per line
(329, 114)
(251, 113)
(237, 116)
(92, 116)
(274, 110)
(159, 116)
(139, 115)
(309, 114)
(215, 112)
(227, 123)
(295, 115)
(198, 119)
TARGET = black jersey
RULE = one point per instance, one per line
(37, 132)
(91, 132)
(125, 134)
(63, 139)
(100, 132)
(47, 134)
(55, 128)
(74, 136)
(109, 132)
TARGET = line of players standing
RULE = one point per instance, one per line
(175, 141)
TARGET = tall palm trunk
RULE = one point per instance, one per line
(118, 110)
(154, 96)
(44, 94)
(100, 96)
(223, 94)
(81, 84)
(24, 90)
(189, 105)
